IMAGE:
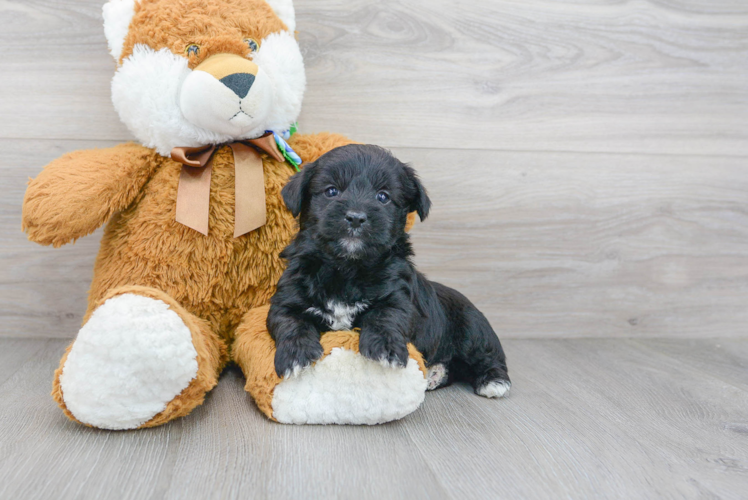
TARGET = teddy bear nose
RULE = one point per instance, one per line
(355, 219)
(239, 83)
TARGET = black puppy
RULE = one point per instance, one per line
(349, 266)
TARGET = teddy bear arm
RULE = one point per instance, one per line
(77, 193)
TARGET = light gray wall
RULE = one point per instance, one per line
(587, 161)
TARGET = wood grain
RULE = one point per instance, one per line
(15, 353)
(42, 290)
(539, 75)
(44, 455)
(546, 244)
(587, 418)
(587, 166)
(591, 419)
(725, 361)
(566, 244)
(260, 459)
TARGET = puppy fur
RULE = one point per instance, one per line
(350, 267)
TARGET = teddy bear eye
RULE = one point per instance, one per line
(331, 192)
(192, 49)
(252, 44)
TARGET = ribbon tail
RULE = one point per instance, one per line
(193, 197)
(249, 188)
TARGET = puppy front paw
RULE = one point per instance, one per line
(388, 351)
(292, 356)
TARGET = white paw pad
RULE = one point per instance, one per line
(494, 389)
(436, 377)
(132, 357)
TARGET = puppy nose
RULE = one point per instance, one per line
(240, 83)
(355, 219)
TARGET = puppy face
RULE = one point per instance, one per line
(355, 200)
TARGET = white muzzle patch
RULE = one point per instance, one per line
(208, 103)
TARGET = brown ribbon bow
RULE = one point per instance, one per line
(193, 194)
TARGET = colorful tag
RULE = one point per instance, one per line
(287, 151)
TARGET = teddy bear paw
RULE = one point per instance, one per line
(132, 357)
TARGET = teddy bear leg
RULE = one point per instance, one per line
(343, 387)
(140, 360)
(254, 351)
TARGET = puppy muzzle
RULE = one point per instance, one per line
(226, 93)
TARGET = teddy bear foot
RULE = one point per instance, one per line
(342, 387)
(345, 387)
(133, 357)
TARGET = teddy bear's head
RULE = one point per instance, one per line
(198, 72)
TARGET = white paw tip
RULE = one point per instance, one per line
(294, 372)
(436, 376)
(389, 364)
(494, 389)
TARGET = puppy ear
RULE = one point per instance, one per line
(296, 190)
(420, 201)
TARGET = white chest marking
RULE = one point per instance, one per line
(339, 316)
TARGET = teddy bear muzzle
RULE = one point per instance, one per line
(227, 94)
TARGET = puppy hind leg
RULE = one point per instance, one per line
(486, 361)
(438, 376)
(490, 377)
(492, 384)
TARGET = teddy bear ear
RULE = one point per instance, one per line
(117, 17)
(284, 9)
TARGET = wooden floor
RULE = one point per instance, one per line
(588, 164)
(587, 418)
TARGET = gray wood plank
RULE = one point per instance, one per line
(42, 289)
(546, 244)
(575, 245)
(727, 361)
(225, 449)
(251, 457)
(587, 418)
(58, 64)
(658, 77)
(42, 310)
(44, 455)
(15, 353)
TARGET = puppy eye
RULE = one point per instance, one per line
(192, 49)
(252, 44)
(331, 192)
(383, 197)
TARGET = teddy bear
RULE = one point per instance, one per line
(195, 222)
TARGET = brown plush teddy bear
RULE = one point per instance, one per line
(189, 258)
